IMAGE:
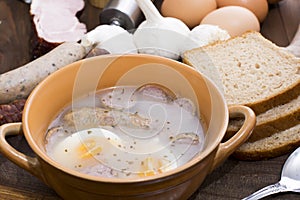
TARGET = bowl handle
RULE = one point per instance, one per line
(227, 148)
(31, 164)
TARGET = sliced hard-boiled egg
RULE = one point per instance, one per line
(154, 165)
(83, 148)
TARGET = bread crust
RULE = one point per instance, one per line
(275, 120)
(285, 96)
(249, 152)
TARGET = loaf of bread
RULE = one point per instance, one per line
(250, 70)
(253, 71)
(275, 145)
(274, 120)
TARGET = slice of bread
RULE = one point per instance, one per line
(274, 120)
(250, 69)
(275, 145)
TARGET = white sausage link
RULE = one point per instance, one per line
(18, 83)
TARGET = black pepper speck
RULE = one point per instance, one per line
(22, 88)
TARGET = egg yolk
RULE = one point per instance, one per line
(151, 166)
(89, 149)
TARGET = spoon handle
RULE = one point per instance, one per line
(268, 190)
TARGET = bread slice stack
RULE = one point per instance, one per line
(253, 71)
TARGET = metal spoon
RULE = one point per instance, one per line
(289, 182)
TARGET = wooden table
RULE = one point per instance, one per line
(233, 180)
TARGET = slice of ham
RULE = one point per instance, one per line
(55, 20)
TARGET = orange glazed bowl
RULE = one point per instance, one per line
(92, 74)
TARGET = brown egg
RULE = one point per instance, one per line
(191, 12)
(258, 7)
(234, 19)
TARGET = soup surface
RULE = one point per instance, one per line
(126, 132)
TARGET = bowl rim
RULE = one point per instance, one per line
(197, 159)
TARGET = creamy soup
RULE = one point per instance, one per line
(126, 132)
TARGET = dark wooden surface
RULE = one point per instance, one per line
(233, 180)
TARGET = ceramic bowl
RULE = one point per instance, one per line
(84, 76)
